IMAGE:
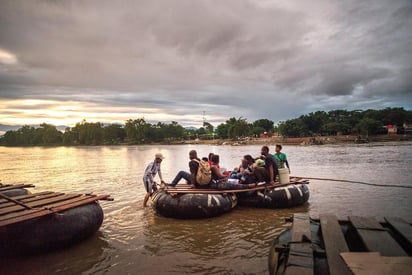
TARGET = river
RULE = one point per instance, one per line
(134, 240)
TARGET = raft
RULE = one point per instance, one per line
(183, 202)
(284, 196)
(328, 245)
(192, 205)
(47, 220)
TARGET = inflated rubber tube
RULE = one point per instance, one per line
(279, 197)
(51, 231)
(15, 192)
(192, 206)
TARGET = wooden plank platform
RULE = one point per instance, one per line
(386, 243)
(184, 188)
(375, 237)
(25, 207)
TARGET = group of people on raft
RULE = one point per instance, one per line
(250, 172)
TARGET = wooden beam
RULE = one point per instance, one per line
(300, 260)
(15, 186)
(375, 237)
(402, 228)
(334, 244)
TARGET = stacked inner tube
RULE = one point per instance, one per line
(15, 192)
(192, 206)
(51, 231)
(196, 206)
(278, 197)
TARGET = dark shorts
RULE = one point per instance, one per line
(149, 186)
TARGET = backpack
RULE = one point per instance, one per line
(204, 174)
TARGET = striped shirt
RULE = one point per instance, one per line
(151, 170)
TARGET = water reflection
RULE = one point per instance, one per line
(64, 261)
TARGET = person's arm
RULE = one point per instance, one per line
(287, 163)
(160, 175)
(271, 174)
(217, 172)
(193, 171)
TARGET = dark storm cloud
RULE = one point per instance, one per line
(256, 59)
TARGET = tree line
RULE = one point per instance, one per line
(138, 131)
(357, 122)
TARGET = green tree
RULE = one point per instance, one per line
(238, 128)
(368, 126)
(114, 133)
(265, 124)
(49, 134)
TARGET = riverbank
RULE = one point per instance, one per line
(319, 140)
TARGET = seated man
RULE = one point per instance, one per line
(270, 170)
(189, 177)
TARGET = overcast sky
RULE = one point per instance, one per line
(175, 60)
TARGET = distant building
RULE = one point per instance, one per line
(392, 129)
(407, 127)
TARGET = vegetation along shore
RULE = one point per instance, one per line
(337, 126)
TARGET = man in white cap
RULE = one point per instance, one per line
(148, 178)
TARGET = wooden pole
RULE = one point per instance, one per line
(15, 201)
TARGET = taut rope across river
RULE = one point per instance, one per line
(359, 182)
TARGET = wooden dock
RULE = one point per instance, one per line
(356, 245)
(24, 207)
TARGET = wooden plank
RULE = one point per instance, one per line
(401, 227)
(375, 237)
(334, 244)
(15, 186)
(39, 203)
(300, 257)
(21, 197)
(33, 198)
(374, 263)
(57, 207)
(301, 227)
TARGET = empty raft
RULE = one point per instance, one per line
(47, 220)
(284, 196)
(326, 245)
(192, 205)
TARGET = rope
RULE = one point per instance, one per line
(360, 182)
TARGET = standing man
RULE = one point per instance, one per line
(280, 158)
(189, 177)
(148, 178)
